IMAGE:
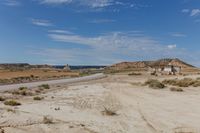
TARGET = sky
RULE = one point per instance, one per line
(98, 32)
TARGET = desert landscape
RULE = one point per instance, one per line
(122, 102)
(99, 66)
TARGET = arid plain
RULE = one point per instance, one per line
(119, 103)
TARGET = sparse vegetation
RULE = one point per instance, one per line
(22, 92)
(47, 120)
(23, 88)
(109, 112)
(2, 99)
(155, 84)
(176, 89)
(38, 98)
(134, 74)
(186, 82)
(11, 110)
(44, 86)
(24, 75)
(111, 105)
(12, 103)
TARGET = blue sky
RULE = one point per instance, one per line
(98, 32)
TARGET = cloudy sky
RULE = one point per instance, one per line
(98, 32)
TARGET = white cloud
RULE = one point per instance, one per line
(114, 47)
(109, 48)
(173, 46)
(97, 3)
(195, 12)
(178, 35)
(41, 22)
(55, 1)
(60, 31)
(89, 3)
(93, 5)
(97, 21)
(11, 3)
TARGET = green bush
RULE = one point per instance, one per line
(12, 103)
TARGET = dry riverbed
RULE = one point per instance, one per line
(116, 104)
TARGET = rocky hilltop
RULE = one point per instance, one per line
(153, 64)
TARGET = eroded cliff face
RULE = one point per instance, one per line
(146, 64)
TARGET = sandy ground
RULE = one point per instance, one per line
(79, 108)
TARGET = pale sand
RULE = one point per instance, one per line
(139, 109)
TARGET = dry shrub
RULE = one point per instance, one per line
(196, 84)
(186, 82)
(11, 110)
(22, 92)
(134, 74)
(170, 81)
(12, 103)
(38, 98)
(23, 88)
(44, 86)
(155, 84)
(2, 98)
(111, 105)
(47, 120)
(176, 89)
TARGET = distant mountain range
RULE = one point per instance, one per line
(153, 64)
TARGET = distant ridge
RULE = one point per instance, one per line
(153, 64)
(22, 66)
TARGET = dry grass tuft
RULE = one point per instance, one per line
(111, 105)
(47, 120)
(134, 74)
(44, 86)
(2, 98)
(12, 103)
(155, 84)
(23, 88)
(109, 112)
(38, 98)
(186, 82)
(11, 110)
(176, 89)
(22, 92)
